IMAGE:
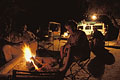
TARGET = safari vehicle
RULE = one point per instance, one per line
(87, 27)
(54, 29)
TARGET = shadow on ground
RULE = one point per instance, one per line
(116, 47)
(97, 65)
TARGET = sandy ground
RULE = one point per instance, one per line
(112, 72)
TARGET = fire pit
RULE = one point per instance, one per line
(30, 67)
(27, 71)
(38, 63)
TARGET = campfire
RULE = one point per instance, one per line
(35, 67)
(31, 60)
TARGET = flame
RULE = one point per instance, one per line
(28, 55)
(27, 52)
(35, 65)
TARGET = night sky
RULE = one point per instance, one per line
(46, 10)
(42, 11)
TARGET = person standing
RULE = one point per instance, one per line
(98, 41)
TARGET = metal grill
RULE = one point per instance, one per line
(27, 75)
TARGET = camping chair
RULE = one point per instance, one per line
(76, 66)
(79, 66)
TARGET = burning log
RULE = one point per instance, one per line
(34, 64)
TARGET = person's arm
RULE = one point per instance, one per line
(67, 45)
(66, 61)
(63, 50)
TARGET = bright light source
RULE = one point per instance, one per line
(27, 52)
(94, 17)
(65, 34)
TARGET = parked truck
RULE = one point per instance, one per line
(87, 27)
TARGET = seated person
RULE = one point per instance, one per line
(27, 35)
(97, 41)
(76, 46)
(12, 50)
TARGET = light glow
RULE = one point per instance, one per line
(94, 17)
(65, 34)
